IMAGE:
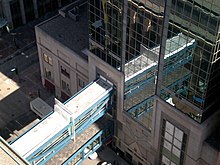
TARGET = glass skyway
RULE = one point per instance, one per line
(64, 125)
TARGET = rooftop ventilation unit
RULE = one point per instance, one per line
(74, 13)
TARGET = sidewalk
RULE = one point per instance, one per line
(15, 97)
(11, 42)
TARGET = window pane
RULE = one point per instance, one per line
(165, 160)
(50, 61)
(176, 151)
(167, 145)
(168, 137)
(177, 143)
(169, 128)
(45, 58)
(178, 134)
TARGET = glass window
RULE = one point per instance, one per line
(64, 72)
(187, 10)
(169, 128)
(168, 137)
(178, 134)
(177, 143)
(204, 19)
(81, 83)
(167, 145)
(165, 160)
(50, 60)
(173, 145)
(65, 86)
(48, 73)
(176, 151)
(47, 59)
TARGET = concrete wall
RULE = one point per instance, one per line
(210, 155)
(98, 66)
(196, 133)
(136, 140)
(130, 136)
(61, 56)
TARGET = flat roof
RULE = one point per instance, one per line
(72, 34)
(39, 134)
(81, 102)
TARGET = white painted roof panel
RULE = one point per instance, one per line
(88, 97)
(40, 134)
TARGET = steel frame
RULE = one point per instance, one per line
(46, 155)
(100, 111)
(47, 150)
(110, 126)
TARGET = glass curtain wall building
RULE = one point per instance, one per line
(162, 57)
(128, 35)
(105, 30)
(190, 77)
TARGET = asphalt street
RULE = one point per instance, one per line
(21, 60)
(20, 79)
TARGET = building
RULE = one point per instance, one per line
(61, 41)
(162, 57)
(19, 12)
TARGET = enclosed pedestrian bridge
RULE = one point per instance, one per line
(76, 128)
(75, 123)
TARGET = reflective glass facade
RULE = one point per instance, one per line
(124, 34)
(144, 22)
(105, 30)
(182, 36)
(192, 86)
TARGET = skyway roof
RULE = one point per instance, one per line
(40, 134)
(81, 102)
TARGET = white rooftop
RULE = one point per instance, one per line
(40, 134)
(80, 103)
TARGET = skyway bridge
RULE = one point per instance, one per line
(79, 126)
(77, 123)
